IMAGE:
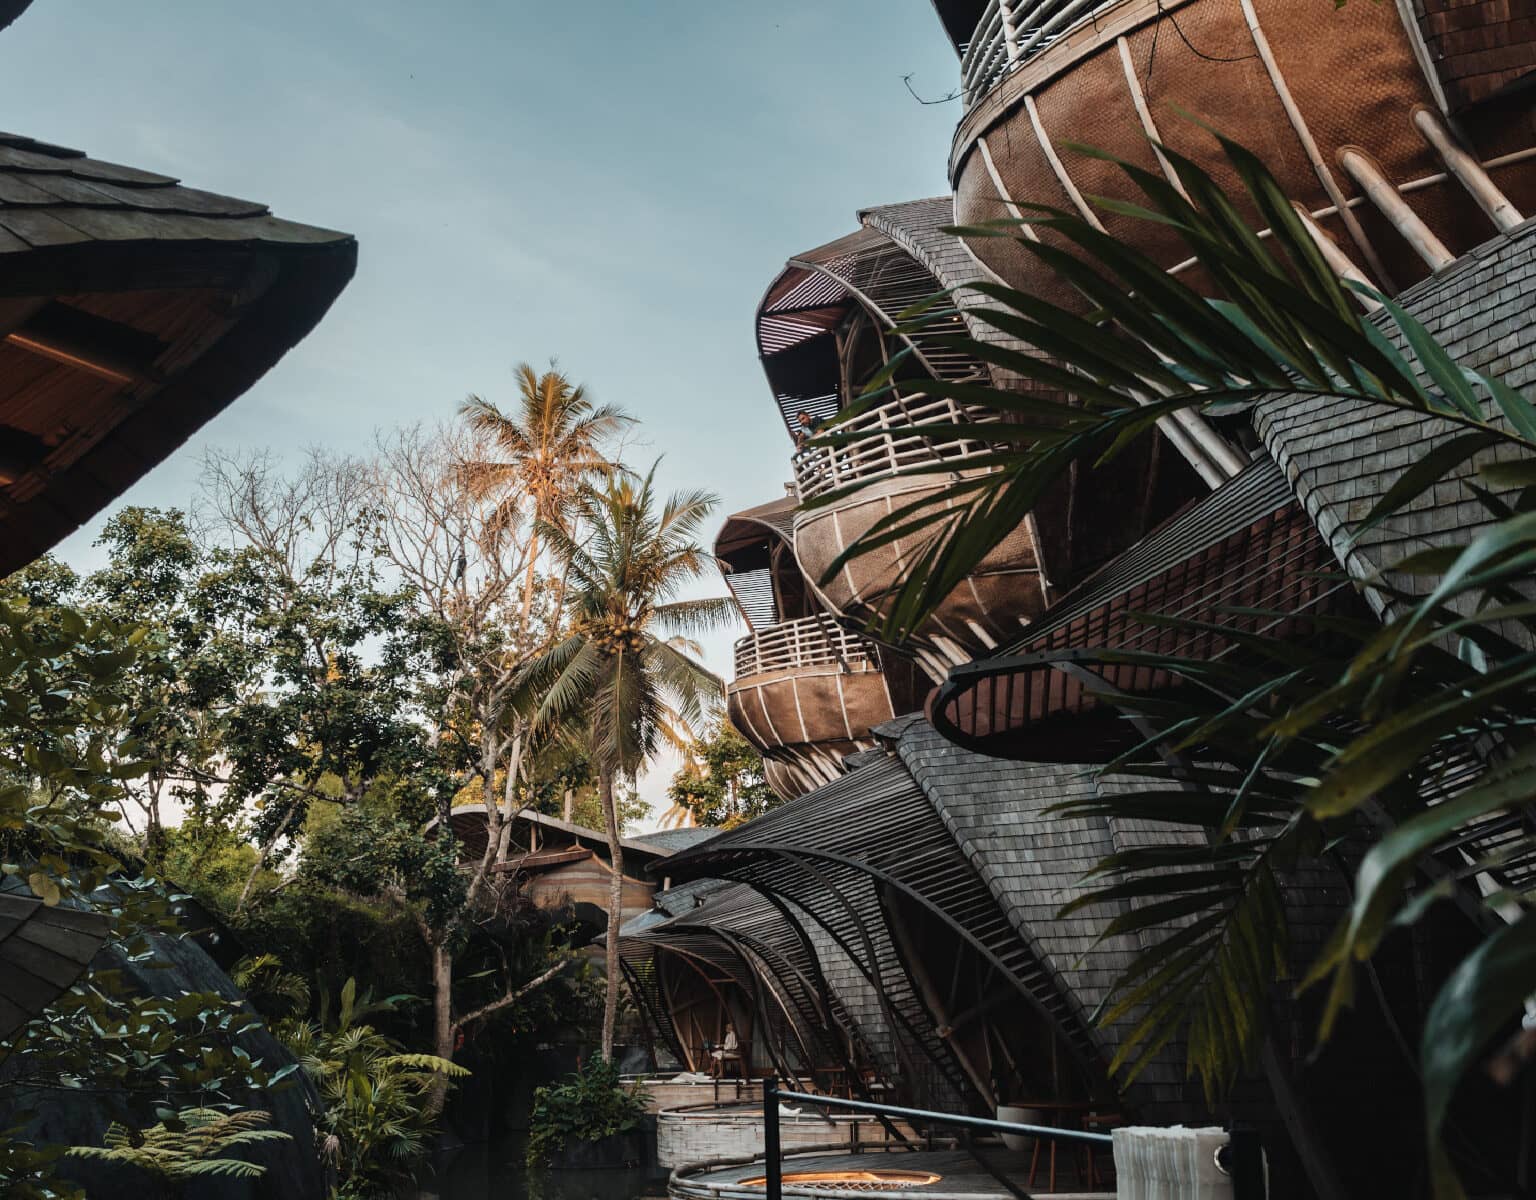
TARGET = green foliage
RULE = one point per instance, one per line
(194, 1143)
(722, 784)
(591, 1104)
(1280, 752)
(27, 1171)
(376, 1123)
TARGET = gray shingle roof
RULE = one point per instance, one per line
(675, 839)
(1341, 457)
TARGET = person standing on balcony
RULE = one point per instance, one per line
(810, 426)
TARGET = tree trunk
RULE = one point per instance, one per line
(442, 1020)
(509, 797)
(261, 858)
(528, 579)
(615, 909)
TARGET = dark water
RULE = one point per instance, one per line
(496, 1172)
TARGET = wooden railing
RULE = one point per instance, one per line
(1012, 31)
(808, 642)
(888, 448)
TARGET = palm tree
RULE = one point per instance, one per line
(553, 446)
(627, 671)
(1356, 739)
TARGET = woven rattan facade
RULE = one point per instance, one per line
(1344, 106)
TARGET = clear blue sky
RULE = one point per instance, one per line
(613, 184)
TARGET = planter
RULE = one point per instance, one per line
(1021, 1115)
(617, 1150)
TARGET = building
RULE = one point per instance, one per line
(564, 867)
(929, 878)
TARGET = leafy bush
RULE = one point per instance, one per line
(376, 1123)
(590, 1105)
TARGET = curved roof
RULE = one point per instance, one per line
(132, 310)
(43, 950)
(839, 853)
(1246, 546)
(879, 269)
(755, 551)
(11, 9)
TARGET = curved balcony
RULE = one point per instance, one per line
(808, 692)
(887, 447)
(1348, 108)
(1005, 589)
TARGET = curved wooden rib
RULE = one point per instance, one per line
(1311, 83)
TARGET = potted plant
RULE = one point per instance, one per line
(589, 1120)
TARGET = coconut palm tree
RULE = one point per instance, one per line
(627, 670)
(553, 445)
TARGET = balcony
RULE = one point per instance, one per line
(808, 692)
(888, 446)
(1013, 31)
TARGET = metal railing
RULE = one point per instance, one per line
(773, 1155)
(807, 642)
(888, 447)
(1011, 32)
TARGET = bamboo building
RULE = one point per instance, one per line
(918, 884)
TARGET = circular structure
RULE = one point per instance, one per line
(928, 1174)
(989, 607)
(857, 1181)
(685, 1136)
(806, 692)
(1403, 165)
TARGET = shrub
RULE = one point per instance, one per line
(590, 1105)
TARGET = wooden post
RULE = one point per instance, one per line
(774, 1182)
(1010, 30)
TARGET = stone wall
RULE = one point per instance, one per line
(687, 1137)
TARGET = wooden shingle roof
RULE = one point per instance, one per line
(132, 309)
(43, 951)
(11, 9)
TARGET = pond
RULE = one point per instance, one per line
(495, 1171)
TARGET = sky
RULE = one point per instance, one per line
(612, 185)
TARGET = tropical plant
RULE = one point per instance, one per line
(721, 783)
(625, 673)
(185, 1146)
(1398, 737)
(552, 448)
(591, 1104)
(378, 1115)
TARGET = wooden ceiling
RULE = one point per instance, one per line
(132, 310)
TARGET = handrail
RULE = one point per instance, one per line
(1011, 32)
(889, 446)
(773, 1153)
(816, 641)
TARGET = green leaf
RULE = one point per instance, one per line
(1484, 994)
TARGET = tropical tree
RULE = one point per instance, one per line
(1400, 740)
(552, 446)
(721, 784)
(627, 673)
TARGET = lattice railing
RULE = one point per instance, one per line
(808, 642)
(889, 445)
(1011, 32)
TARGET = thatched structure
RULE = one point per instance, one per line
(132, 310)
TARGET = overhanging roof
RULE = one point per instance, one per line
(43, 950)
(132, 310)
(1246, 546)
(755, 551)
(11, 9)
